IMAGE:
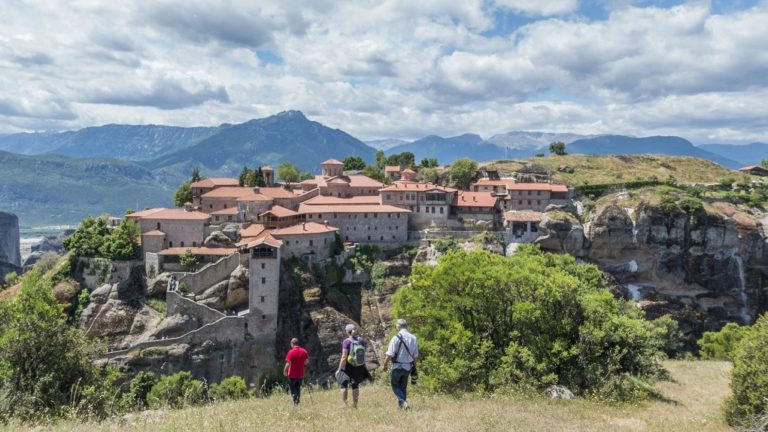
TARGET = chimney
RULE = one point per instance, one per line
(304, 226)
(326, 223)
(256, 189)
(474, 198)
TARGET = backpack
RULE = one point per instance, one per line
(356, 355)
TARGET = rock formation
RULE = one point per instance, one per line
(10, 255)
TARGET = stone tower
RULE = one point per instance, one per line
(264, 286)
(269, 175)
(332, 168)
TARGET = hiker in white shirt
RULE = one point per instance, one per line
(402, 352)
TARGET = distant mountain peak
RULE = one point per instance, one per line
(291, 114)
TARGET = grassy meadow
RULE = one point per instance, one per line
(691, 402)
(617, 169)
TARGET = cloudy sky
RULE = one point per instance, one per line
(392, 68)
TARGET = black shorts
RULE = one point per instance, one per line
(356, 374)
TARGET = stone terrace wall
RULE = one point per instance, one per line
(100, 271)
(179, 305)
(211, 274)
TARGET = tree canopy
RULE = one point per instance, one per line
(428, 163)
(748, 406)
(94, 239)
(530, 320)
(463, 171)
(42, 359)
(183, 194)
(764, 163)
(354, 163)
(251, 177)
(288, 172)
(557, 148)
(404, 159)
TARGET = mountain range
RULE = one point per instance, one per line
(57, 178)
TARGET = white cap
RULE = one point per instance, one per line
(349, 328)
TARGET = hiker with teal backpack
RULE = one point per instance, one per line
(352, 371)
(402, 353)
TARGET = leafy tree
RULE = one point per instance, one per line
(183, 194)
(42, 360)
(259, 178)
(231, 388)
(749, 379)
(381, 160)
(463, 171)
(428, 163)
(306, 175)
(176, 391)
(764, 163)
(88, 238)
(195, 177)
(243, 176)
(429, 175)
(129, 211)
(557, 148)
(722, 345)
(529, 320)
(374, 172)
(404, 159)
(189, 260)
(121, 243)
(288, 172)
(354, 163)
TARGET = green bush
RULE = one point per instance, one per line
(154, 352)
(138, 390)
(722, 345)
(527, 321)
(749, 378)
(230, 389)
(157, 304)
(93, 239)
(176, 391)
(445, 245)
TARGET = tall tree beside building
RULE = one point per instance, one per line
(374, 172)
(195, 177)
(428, 163)
(381, 160)
(189, 260)
(354, 163)
(463, 171)
(243, 176)
(429, 175)
(183, 194)
(764, 163)
(288, 172)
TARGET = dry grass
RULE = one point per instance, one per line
(696, 394)
(619, 169)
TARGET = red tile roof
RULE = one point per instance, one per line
(154, 233)
(178, 251)
(252, 231)
(231, 211)
(415, 186)
(350, 208)
(355, 200)
(332, 162)
(276, 192)
(489, 182)
(212, 182)
(244, 193)
(279, 211)
(169, 214)
(537, 186)
(409, 171)
(268, 240)
(304, 228)
(475, 199)
(354, 180)
(522, 216)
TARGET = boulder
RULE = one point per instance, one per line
(232, 231)
(561, 232)
(32, 259)
(559, 392)
(10, 247)
(49, 244)
(173, 326)
(215, 296)
(568, 208)
(158, 285)
(237, 288)
(218, 239)
(114, 318)
(610, 233)
(101, 294)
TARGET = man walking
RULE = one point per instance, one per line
(402, 353)
(295, 361)
(352, 371)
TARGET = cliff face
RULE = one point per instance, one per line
(706, 267)
(10, 255)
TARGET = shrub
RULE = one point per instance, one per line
(527, 321)
(722, 345)
(154, 352)
(448, 244)
(176, 391)
(138, 390)
(42, 360)
(230, 389)
(157, 304)
(11, 278)
(749, 377)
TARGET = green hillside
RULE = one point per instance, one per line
(618, 169)
(53, 190)
(689, 403)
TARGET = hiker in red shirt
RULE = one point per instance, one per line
(295, 361)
